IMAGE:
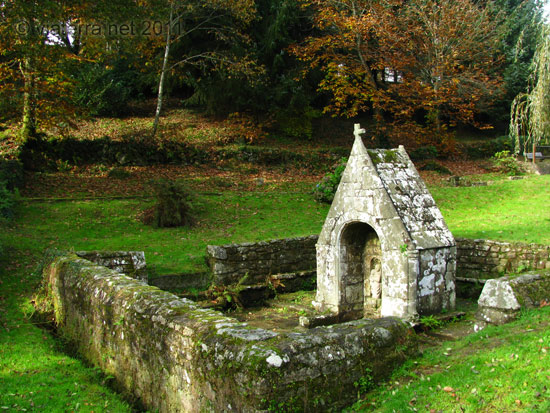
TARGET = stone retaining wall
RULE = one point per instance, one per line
(131, 263)
(175, 356)
(231, 263)
(479, 258)
(476, 258)
(175, 282)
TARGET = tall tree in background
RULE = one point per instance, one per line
(42, 50)
(520, 30)
(530, 113)
(419, 66)
(454, 70)
(219, 22)
(29, 65)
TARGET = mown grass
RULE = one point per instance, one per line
(36, 374)
(500, 369)
(505, 210)
(114, 225)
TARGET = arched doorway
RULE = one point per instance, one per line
(360, 271)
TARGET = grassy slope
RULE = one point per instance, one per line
(35, 373)
(500, 369)
(29, 359)
(506, 210)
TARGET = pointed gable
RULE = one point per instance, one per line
(411, 198)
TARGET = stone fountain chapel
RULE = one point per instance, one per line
(384, 249)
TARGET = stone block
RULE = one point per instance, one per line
(502, 298)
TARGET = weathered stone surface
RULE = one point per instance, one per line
(479, 258)
(381, 196)
(502, 298)
(131, 263)
(177, 357)
(173, 282)
(257, 261)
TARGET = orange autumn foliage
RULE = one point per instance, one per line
(419, 66)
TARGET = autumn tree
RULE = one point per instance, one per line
(419, 65)
(29, 63)
(455, 46)
(41, 50)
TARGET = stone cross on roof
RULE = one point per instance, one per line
(357, 131)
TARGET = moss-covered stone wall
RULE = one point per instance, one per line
(175, 356)
(131, 263)
(480, 258)
(475, 258)
(232, 263)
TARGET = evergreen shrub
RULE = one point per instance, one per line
(324, 191)
(173, 207)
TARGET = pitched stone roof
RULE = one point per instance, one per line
(411, 198)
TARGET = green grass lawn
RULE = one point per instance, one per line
(506, 210)
(500, 369)
(34, 371)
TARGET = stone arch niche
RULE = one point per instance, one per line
(384, 249)
(360, 270)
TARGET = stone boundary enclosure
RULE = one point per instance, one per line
(131, 263)
(252, 263)
(481, 258)
(476, 258)
(174, 356)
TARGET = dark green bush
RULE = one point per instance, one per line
(324, 191)
(173, 207)
(437, 167)
(105, 91)
(7, 201)
(11, 173)
(486, 149)
(424, 152)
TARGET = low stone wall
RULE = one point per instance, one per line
(175, 282)
(478, 258)
(175, 356)
(131, 263)
(503, 298)
(231, 263)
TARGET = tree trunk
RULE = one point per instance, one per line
(160, 95)
(28, 128)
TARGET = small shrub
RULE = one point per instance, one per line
(430, 322)
(437, 167)
(119, 173)
(365, 383)
(7, 201)
(424, 152)
(324, 191)
(173, 207)
(506, 163)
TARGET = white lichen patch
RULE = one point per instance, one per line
(274, 360)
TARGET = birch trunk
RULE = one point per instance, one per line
(160, 95)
